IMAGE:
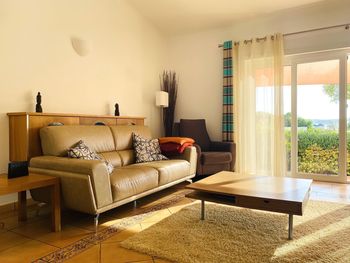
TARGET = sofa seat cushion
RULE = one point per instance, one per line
(128, 181)
(216, 157)
(169, 170)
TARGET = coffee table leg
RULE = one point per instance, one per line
(56, 208)
(22, 206)
(202, 210)
(290, 227)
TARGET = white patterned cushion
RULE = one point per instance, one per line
(82, 151)
(146, 150)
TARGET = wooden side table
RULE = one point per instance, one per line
(32, 181)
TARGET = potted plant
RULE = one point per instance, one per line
(169, 84)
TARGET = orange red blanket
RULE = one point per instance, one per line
(174, 145)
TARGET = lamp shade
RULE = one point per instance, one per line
(162, 99)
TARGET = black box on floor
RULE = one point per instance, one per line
(17, 169)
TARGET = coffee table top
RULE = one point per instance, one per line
(23, 183)
(271, 187)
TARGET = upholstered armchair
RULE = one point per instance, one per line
(213, 156)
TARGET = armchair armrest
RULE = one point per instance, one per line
(225, 147)
(222, 146)
(190, 155)
(95, 169)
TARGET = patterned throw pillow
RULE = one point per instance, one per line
(82, 151)
(146, 150)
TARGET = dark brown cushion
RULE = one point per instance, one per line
(195, 129)
(216, 157)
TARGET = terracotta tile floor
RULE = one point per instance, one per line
(25, 242)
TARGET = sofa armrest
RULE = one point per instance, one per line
(190, 155)
(95, 169)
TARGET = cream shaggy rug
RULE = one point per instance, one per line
(230, 234)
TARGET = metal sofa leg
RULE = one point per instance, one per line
(38, 208)
(96, 221)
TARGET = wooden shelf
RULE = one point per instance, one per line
(71, 115)
(25, 126)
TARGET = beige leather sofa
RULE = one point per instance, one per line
(86, 185)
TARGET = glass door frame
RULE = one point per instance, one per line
(293, 61)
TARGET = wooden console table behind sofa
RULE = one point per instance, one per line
(25, 127)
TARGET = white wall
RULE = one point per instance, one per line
(198, 60)
(36, 55)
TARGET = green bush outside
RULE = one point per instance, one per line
(318, 150)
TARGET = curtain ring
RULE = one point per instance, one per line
(247, 41)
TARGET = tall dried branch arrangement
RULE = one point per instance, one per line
(169, 83)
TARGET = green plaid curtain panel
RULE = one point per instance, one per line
(227, 115)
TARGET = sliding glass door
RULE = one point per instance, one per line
(315, 116)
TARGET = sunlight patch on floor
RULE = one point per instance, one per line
(323, 233)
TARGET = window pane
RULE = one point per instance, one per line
(287, 107)
(348, 119)
(318, 117)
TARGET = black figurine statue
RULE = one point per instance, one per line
(116, 112)
(38, 107)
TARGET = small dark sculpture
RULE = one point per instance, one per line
(116, 112)
(38, 107)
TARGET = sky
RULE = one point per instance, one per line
(313, 103)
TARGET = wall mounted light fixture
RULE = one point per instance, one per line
(82, 47)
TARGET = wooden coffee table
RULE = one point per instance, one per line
(21, 184)
(276, 194)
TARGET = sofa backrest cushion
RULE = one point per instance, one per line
(113, 157)
(56, 140)
(123, 135)
(127, 157)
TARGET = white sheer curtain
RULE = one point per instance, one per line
(258, 107)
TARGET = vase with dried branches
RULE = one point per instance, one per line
(169, 84)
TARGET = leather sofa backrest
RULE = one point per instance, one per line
(123, 135)
(113, 157)
(114, 143)
(127, 157)
(56, 140)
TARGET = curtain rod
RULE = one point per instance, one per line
(301, 32)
